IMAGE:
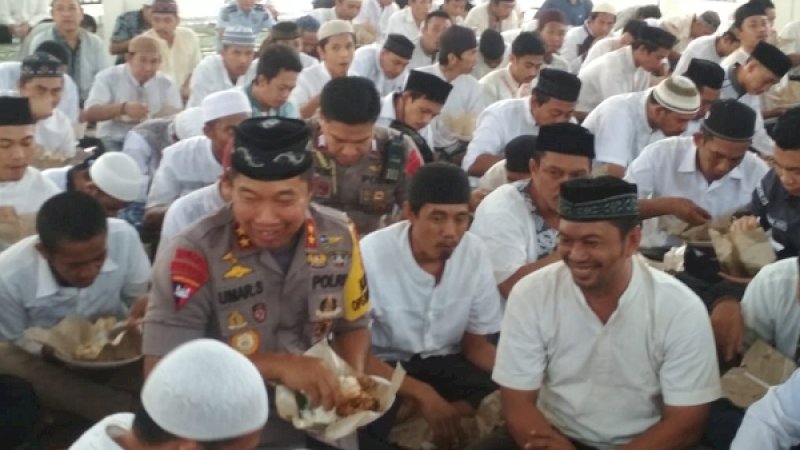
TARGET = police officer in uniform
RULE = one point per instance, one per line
(411, 111)
(258, 18)
(271, 274)
(361, 169)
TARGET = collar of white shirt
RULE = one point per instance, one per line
(46, 284)
(527, 107)
(688, 164)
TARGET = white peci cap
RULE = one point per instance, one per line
(225, 103)
(607, 8)
(189, 123)
(206, 391)
(118, 175)
(333, 28)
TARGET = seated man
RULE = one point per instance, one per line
(580, 39)
(361, 169)
(288, 34)
(746, 82)
(700, 177)
(337, 43)
(625, 124)
(453, 129)
(602, 333)
(82, 264)
(375, 16)
(712, 48)
(497, 15)
(255, 16)
(688, 27)
(125, 95)
(552, 101)
(408, 20)
(492, 54)
(345, 10)
(275, 78)
(551, 26)
(309, 38)
(514, 167)
(513, 81)
(518, 222)
(707, 77)
(128, 25)
(386, 66)
(772, 422)
(41, 81)
(227, 69)
(229, 416)
(611, 43)
(411, 111)
(625, 70)
(426, 45)
(196, 162)
(441, 273)
(750, 26)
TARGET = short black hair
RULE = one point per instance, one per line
(492, 45)
(456, 40)
(633, 26)
(350, 100)
(276, 58)
(787, 130)
(648, 12)
(527, 43)
(434, 14)
(70, 216)
(767, 4)
(729, 35)
(625, 224)
(545, 16)
(150, 433)
(438, 182)
(307, 24)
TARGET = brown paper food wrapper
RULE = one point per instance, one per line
(14, 227)
(46, 160)
(762, 366)
(700, 235)
(332, 427)
(460, 126)
(78, 339)
(742, 253)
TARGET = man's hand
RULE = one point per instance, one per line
(442, 417)
(728, 325)
(312, 377)
(548, 440)
(137, 311)
(689, 212)
(745, 223)
(136, 110)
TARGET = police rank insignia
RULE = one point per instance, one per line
(236, 321)
(246, 343)
(317, 260)
(237, 270)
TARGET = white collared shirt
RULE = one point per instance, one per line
(180, 60)
(668, 168)
(117, 85)
(704, 47)
(367, 64)
(388, 114)
(210, 76)
(681, 27)
(412, 313)
(478, 20)
(402, 22)
(762, 142)
(499, 84)
(460, 112)
(30, 296)
(605, 384)
(323, 15)
(56, 135)
(620, 127)
(611, 74)
(27, 194)
(9, 79)
(497, 126)
(419, 58)
(189, 209)
(513, 231)
(569, 50)
(496, 176)
(377, 16)
(739, 56)
(772, 423)
(789, 38)
(186, 166)
(309, 84)
(606, 45)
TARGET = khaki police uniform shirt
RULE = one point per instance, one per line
(361, 190)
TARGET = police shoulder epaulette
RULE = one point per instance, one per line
(259, 7)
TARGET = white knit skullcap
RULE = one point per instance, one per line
(678, 94)
(206, 391)
(334, 27)
(225, 103)
(118, 175)
(604, 7)
(189, 123)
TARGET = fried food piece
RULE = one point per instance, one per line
(357, 396)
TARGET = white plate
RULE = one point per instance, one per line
(86, 364)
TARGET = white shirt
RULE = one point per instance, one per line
(606, 45)
(18, 12)
(27, 194)
(58, 175)
(772, 423)
(186, 166)
(668, 168)
(402, 22)
(9, 78)
(739, 56)
(388, 114)
(500, 85)
(789, 38)
(762, 142)
(323, 14)
(456, 122)
(180, 60)
(188, 209)
(704, 47)
(495, 177)
(497, 126)
(771, 308)
(611, 74)
(309, 84)
(569, 50)
(56, 135)
(411, 313)
(604, 384)
(680, 27)
(478, 20)
(117, 84)
(210, 76)
(30, 296)
(419, 58)
(377, 16)
(98, 436)
(620, 128)
(513, 231)
(367, 64)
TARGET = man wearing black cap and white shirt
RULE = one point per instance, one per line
(625, 70)
(214, 277)
(435, 301)
(601, 333)
(386, 66)
(712, 170)
(746, 82)
(750, 26)
(552, 101)
(456, 123)
(518, 222)
(361, 169)
(707, 77)
(625, 124)
(411, 111)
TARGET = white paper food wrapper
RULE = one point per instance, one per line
(333, 427)
(73, 332)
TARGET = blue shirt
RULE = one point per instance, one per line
(258, 19)
(577, 11)
(287, 110)
(773, 422)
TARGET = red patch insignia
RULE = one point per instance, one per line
(413, 162)
(189, 272)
